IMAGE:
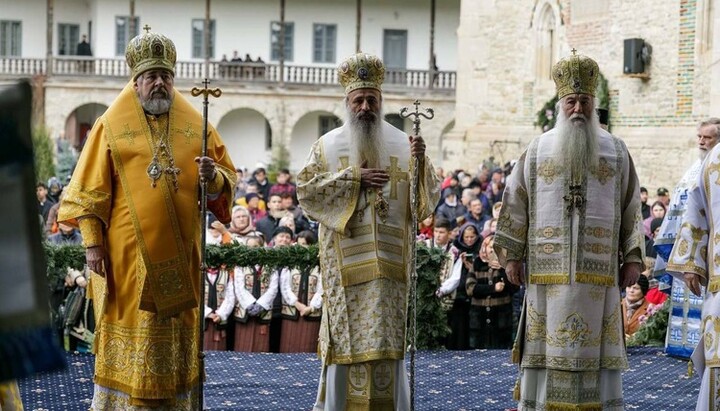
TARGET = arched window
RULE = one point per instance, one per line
(546, 37)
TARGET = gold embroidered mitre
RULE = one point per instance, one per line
(150, 51)
(576, 74)
(361, 70)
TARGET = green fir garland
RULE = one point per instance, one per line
(431, 318)
(546, 116)
(432, 325)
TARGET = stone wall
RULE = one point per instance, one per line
(499, 92)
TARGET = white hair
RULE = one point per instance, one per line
(577, 141)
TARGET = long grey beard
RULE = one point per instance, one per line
(577, 145)
(703, 153)
(157, 105)
(366, 143)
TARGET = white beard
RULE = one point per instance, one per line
(366, 143)
(577, 143)
(703, 153)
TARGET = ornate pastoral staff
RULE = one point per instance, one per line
(205, 92)
(412, 297)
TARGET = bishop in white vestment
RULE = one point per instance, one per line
(696, 254)
(683, 332)
(571, 209)
(356, 184)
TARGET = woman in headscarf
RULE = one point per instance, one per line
(241, 225)
(468, 244)
(491, 310)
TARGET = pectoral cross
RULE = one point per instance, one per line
(173, 172)
(574, 199)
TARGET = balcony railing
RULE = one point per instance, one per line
(77, 66)
(22, 67)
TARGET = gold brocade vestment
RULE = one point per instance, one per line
(146, 336)
(573, 238)
(364, 260)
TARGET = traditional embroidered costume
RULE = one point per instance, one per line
(250, 285)
(216, 290)
(300, 333)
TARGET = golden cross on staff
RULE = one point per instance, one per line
(205, 92)
(429, 114)
(412, 292)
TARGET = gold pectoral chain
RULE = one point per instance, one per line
(162, 150)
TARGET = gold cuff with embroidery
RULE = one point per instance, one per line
(91, 231)
(215, 186)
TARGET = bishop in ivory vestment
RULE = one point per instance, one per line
(356, 184)
(696, 255)
(684, 326)
(571, 210)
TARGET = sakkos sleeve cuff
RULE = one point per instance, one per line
(91, 231)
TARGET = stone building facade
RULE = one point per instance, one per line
(267, 106)
(508, 46)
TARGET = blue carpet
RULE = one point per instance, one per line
(446, 380)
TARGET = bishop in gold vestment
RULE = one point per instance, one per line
(135, 194)
(356, 184)
(571, 208)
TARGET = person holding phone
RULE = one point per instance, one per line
(468, 244)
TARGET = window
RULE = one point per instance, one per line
(324, 43)
(10, 38)
(546, 50)
(395, 49)
(327, 123)
(122, 33)
(68, 39)
(198, 38)
(275, 40)
(396, 121)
